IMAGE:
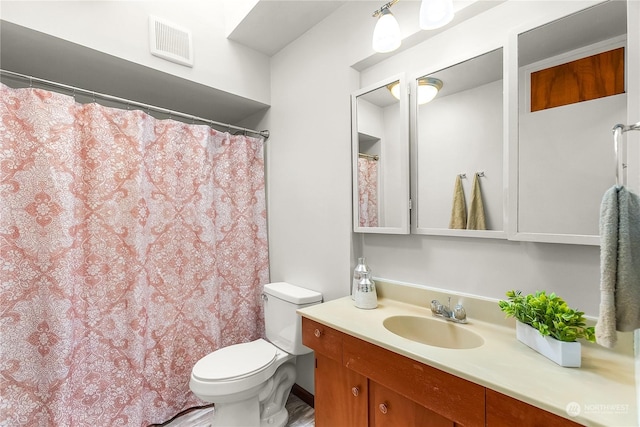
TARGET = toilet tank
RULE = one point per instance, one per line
(283, 325)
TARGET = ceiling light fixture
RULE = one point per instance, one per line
(386, 35)
(428, 88)
(435, 13)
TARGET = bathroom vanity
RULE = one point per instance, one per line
(366, 375)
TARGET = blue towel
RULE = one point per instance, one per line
(619, 265)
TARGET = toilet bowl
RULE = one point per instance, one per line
(249, 383)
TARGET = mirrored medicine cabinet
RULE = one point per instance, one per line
(562, 154)
(380, 154)
(458, 141)
(542, 162)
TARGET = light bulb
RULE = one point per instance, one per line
(426, 94)
(428, 88)
(386, 35)
(435, 13)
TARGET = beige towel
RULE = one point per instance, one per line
(459, 209)
(619, 265)
(476, 219)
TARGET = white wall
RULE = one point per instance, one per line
(120, 28)
(309, 166)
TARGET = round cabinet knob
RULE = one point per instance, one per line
(355, 391)
(317, 333)
(383, 408)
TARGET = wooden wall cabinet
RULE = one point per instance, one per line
(360, 384)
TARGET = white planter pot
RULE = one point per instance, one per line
(565, 354)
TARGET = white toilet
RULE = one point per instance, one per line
(250, 382)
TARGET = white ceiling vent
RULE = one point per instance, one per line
(170, 42)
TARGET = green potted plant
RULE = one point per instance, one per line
(548, 325)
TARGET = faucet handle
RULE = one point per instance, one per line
(459, 313)
(436, 307)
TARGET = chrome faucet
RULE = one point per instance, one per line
(458, 314)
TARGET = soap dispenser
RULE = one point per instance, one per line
(366, 295)
(362, 267)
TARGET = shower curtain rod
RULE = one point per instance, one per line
(31, 79)
(369, 156)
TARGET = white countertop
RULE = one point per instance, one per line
(604, 387)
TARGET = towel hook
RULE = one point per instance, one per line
(462, 175)
(480, 174)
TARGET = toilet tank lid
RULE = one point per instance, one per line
(292, 293)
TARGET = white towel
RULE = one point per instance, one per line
(619, 265)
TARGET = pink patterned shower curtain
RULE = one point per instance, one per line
(368, 192)
(130, 248)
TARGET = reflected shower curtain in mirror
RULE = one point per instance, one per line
(131, 247)
(368, 192)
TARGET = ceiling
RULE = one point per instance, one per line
(272, 24)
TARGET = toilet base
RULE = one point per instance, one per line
(266, 408)
(238, 414)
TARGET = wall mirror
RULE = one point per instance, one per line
(458, 150)
(380, 152)
(571, 91)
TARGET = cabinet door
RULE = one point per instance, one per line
(505, 411)
(341, 395)
(452, 397)
(390, 409)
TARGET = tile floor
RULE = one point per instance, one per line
(300, 415)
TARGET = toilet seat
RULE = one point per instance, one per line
(235, 361)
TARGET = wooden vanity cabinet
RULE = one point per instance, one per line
(359, 384)
(444, 394)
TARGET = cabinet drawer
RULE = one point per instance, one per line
(322, 339)
(505, 411)
(389, 409)
(454, 398)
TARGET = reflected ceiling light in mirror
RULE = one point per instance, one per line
(435, 13)
(394, 88)
(428, 88)
(386, 35)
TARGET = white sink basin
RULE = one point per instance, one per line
(433, 332)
